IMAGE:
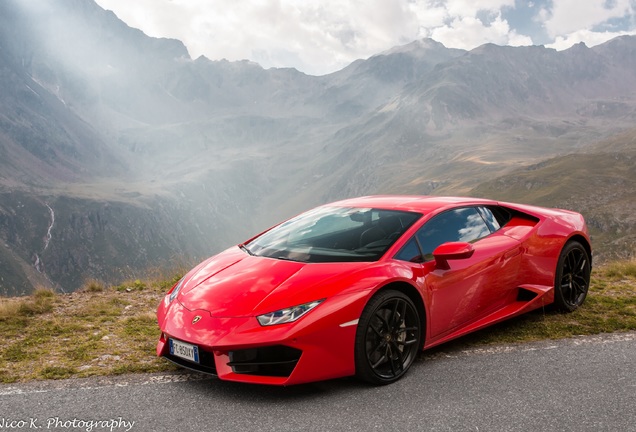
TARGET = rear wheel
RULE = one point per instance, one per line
(388, 338)
(572, 279)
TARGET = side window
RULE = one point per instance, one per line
(410, 252)
(501, 214)
(463, 224)
(490, 218)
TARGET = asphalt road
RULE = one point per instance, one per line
(580, 384)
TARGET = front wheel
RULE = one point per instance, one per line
(388, 338)
(572, 279)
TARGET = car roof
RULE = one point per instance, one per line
(412, 203)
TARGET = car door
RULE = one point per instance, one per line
(471, 287)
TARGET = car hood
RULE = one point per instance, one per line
(234, 284)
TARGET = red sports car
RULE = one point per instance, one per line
(361, 286)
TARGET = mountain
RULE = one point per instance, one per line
(119, 152)
(605, 194)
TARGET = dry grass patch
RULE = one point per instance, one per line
(41, 301)
(93, 285)
(89, 332)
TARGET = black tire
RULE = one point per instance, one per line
(388, 338)
(572, 279)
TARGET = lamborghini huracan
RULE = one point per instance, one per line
(361, 286)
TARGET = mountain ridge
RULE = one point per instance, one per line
(147, 155)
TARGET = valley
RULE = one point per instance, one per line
(120, 153)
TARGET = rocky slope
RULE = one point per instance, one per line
(146, 156)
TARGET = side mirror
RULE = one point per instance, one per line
(357, 216)
(452, 251)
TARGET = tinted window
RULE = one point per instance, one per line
(410, 252)
(490, 218)
(464, 224)
(501, 214)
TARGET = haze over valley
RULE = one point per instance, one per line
(120, 153)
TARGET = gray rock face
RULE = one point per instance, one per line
(151, 158)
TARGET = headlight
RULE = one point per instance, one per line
(175, 291)
(287, 315)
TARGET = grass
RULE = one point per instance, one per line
(96, 331)
(113, 330)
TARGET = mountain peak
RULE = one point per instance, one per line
(154, 142)
(420, 47)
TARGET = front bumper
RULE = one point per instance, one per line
(318, 346)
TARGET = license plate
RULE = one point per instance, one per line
(184, 350)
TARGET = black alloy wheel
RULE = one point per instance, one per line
(388, 338)
(572, 279)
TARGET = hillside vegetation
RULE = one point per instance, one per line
(113, 330)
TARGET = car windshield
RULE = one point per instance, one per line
(334, 234)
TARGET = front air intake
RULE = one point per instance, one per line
(276, 361)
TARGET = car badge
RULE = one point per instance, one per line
(196, 319)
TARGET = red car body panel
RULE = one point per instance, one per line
(504, 274)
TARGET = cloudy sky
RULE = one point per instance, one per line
(322, 36)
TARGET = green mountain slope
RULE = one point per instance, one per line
(601, 186)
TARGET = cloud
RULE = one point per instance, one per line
(321, 36)
(469, 32)
(590, 38)
(593, 22)
(468, 8)
(568, 16)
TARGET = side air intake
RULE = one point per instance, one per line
(524, 295)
